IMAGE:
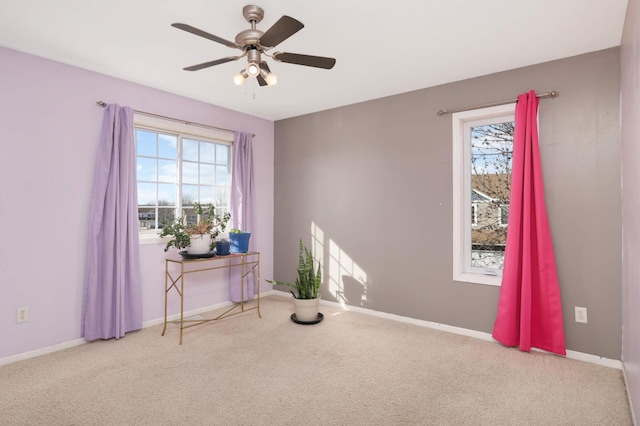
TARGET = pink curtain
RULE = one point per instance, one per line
(530, 308)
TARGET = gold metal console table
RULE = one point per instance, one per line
(249, 263)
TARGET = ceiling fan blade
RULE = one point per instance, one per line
(198, 32)
(211, 63)
(265, 66)
(262, 81)
(284, 28)
(307, 60)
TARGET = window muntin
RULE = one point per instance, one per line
(177, 167)
(482, 153)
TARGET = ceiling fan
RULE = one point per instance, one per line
(254, 44)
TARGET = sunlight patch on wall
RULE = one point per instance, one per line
(317, 245)
(344, 278)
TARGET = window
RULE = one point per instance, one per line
(177, 165)
(504, 215)
(482, 160)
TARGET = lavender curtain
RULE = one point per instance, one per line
(243, 209)
(112, 303)
(529, 308)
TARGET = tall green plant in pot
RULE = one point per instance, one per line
(305, 290)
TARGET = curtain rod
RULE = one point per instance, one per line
(189, 123)
(551, 94)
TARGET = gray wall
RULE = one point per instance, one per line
(376, 179)
(630, 102)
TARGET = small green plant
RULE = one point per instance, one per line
(208, 223)
(308, 282)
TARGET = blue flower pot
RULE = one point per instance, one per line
(239, 242)
(222, 248)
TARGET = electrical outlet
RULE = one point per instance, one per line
(22, 314)
(581, 314)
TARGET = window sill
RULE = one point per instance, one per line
(467, 277)
(145, 241)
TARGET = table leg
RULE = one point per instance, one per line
(181, 299)
(258, 284)
(242, 269)
(166, 290)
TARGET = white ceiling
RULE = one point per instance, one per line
(382, 47)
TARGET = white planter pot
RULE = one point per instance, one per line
(306, 309)
(200, 244)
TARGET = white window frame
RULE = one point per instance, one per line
(462, 123)
(502, 207)
(184, 130)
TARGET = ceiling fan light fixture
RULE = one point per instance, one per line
(269, 77)
(252, 69)
(239, 78)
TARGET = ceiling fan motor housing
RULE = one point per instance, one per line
(248, 37)
(253, 55)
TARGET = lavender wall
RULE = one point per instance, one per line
(49, 123)
(630, 111)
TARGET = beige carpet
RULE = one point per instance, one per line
(350, 369)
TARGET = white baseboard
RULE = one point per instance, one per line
(186, 314)
(626, 386)
(77, 342)
(41, 351)
(594, 359)
(580, 356)
(197, 311)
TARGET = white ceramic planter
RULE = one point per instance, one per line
(306, 309)
(200, 244)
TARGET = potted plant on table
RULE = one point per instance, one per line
(223, 246)
(305, 290)
(197, 238)
(239, 240)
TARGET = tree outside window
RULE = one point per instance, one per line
(491, 163)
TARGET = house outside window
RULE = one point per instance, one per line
(504, 215)
(482, 158)
(177, 165)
